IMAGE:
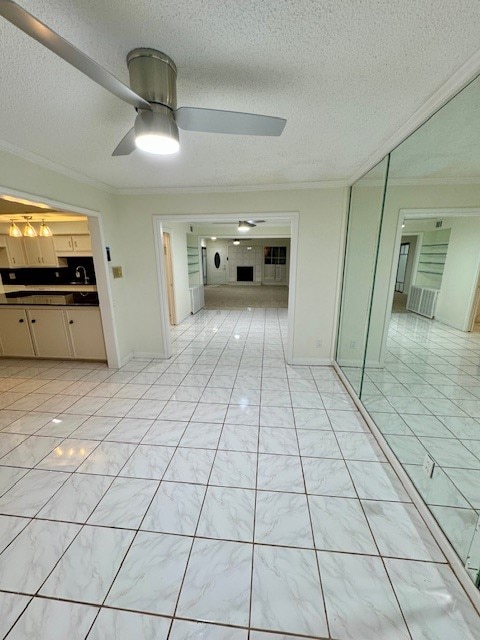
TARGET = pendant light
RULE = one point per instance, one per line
(236, 242)
(14, 231)
(28, 230)
(45, 232)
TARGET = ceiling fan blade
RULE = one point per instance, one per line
(126, 144)
(18, 16)
(216, 121)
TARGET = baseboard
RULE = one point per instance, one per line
(126, 359)
(152, 355)
(453, 560)
(311, 362)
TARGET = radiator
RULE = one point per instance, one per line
(197, 298)
(422, 300)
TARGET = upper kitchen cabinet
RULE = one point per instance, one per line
(40, 252)
(12, 253)
(75, 245)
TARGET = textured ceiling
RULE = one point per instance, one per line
(345, 74)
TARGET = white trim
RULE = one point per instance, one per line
(152, 355)
(311, 362)
(126, 359)
(284, 186)
(340, 274)
(448, 212)
(159, 222)
(454, 561)
(457, 81)
(101, 268)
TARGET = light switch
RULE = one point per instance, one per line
(117, 272)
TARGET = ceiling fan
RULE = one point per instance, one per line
(152, 92)
(243, 225)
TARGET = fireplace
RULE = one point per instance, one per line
(244, 274)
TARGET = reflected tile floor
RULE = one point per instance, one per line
(221, 494)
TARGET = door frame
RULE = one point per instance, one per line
(160, 221)
(167, 256)
(104, 290)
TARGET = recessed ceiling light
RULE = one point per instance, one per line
(236, 242)
(213, 238)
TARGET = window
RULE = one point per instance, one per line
(275, 255)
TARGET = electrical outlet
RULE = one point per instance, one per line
(117, 272)
(12, 276)
(428, 466)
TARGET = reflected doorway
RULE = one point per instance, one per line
(167, 255)
(402, 267)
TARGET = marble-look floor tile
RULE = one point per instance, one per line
(327, 477)
(318, 444)
(29, 423)
(449, 453)
(338, 402)
(390, 423)
(376, 481)
(28, 560)
(76, 498)
(408, 449)
(68, 455)
(276, 417)
(360, 446)
(124, 504)
(190, 465)
(215, 395)
(116, 407)
(307, 400)
(467, 428)
(217, 582)
(95, 427)
(347, 421)
(10, 527)
(29, 452)
(11, 606)
(203, 435)
(311, 419)
(53, 620)
(468, 482)
(234, 469)
(165, 432)
(148, 462)
(89, 565)
(31, 492)
(244, 396)
(286, 592)
(228, 514)
(426, 426)
(184, 630)
(107, 459)
(280, 473)
(9, 441)
(283, 519)
(175, 508)
(359, 599)
(9, 476)
(130, 430)
(175, 410)
(238, 437)
(209, 412)
(151, 574)
(62, 425)
(274, 440)
(339, 524)
(439, 488)
(113, 624)
(146, 409)
(400, 532)
(459, 527)
(271, 398)
(420, 587)
(243, 414)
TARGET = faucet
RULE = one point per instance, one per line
(78, 275)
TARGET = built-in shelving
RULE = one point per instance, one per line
(431, 262)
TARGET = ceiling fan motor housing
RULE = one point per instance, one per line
(153, 75)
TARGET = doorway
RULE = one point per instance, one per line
(217, 265)
(167, 255)
(402, 267)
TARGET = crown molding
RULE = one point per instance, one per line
(54, 166)
(420, 182)
(457, 81)
(285, 186)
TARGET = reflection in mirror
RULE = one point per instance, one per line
(422, 376)
(364, 218)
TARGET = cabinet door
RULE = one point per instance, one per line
(82, 243)
(63, 244)
(16, 252)
(48, 255)
(32, 251)
(279, 273)
(269, 272)
(49, 333)
(86, 333)
(14, 333)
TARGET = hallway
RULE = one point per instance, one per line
(222, 494)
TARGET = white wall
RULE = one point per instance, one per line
(128, 227)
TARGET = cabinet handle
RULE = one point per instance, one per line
(39, 260)
(70, 244)
(13, 260)
(75, 243)
(21, 320)
(70, 322)
(33, 321)
(43, 260)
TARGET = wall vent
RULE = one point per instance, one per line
(438, 224)
(197, 298)
(422, 300)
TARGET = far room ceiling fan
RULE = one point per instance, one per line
(153, 77)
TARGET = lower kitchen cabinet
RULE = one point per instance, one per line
(49, 333)
(52, 333)
(15, 337)
(86, 333)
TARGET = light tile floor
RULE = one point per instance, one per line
(427, 400)
(220, 495)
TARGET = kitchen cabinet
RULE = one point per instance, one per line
(79, 245)
(49, 333)
(86, 333)
(15, 337)
(40, 252)
(12, 253)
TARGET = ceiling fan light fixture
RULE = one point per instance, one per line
(14, 231)
(243, 227)
(236, 242)
(28, 230)
(45, 231)
(156, 132)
